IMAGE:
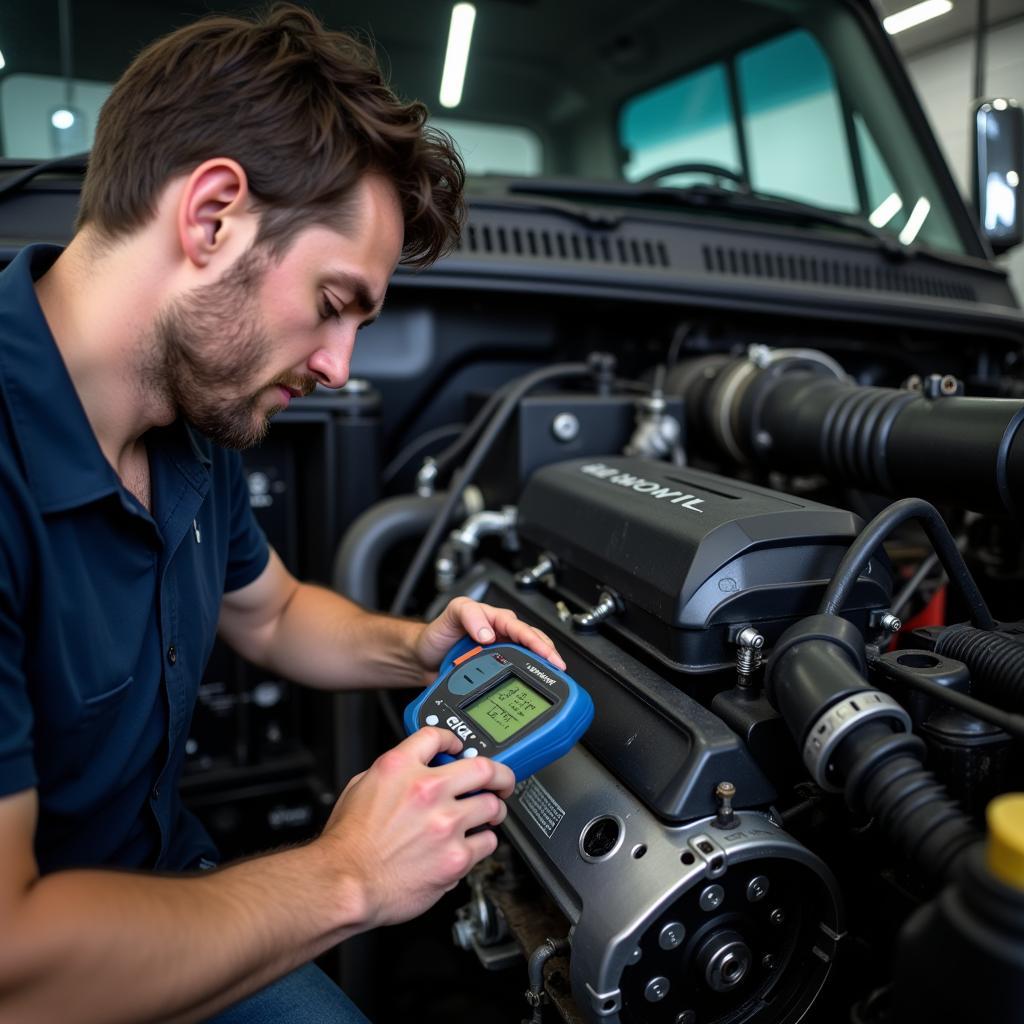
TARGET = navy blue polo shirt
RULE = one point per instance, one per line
(107, 613)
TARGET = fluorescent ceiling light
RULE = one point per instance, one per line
(3, 63)
(886, 210)
(917, 215)
(911, 16)
(459, 35)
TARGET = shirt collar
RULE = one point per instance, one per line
(63, 461)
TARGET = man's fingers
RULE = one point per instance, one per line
(482, 844)
(426, 743)
(475, 618)
(482, 809)
(473, 774)
(528, 636)
(486, 623)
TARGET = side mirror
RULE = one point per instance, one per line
(998, 172)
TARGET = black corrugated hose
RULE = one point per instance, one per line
(996, 662)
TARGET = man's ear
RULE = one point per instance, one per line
(215, 196)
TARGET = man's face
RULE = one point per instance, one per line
(235, 352)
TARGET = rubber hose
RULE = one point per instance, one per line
(912, 808)
(369, 538)
(870, 539)
(996, 662)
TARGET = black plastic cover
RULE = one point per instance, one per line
(693, 555)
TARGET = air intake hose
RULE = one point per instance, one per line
(996, 661)
(795, 412)
(857, 740)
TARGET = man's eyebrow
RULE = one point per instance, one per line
(360, 291)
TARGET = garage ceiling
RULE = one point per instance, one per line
(957, 24)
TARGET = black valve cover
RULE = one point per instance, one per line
(694, 556)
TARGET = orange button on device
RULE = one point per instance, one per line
(467, 656)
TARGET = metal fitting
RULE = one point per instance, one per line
(608, 603)
(457, 553)
(749, 645)
(891, 623)
(529, 578)
(837, 722)
(426, 478)
(657, 434)
(565, 427)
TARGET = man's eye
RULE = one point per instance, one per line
(329, 311)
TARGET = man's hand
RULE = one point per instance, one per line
(399, 829)
(485, 624)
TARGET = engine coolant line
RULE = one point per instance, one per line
(870, 539)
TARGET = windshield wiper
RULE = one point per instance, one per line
(711, 197)
(19, 179)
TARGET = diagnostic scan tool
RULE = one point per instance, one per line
(506, 703)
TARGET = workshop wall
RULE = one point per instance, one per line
(944, 80)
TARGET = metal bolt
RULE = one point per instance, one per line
(949, 385)
(757, 888)
(777, 917)
(914, 382)
(711, 898)
(891, 623)
(768, 962)
(672, 935)
(565, 427)
(686, 1017)
(634, 957)
(724, 792)
(656, 989)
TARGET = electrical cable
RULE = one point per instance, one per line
(516, 390)
(870, 539)
(446, 460)
(429, 437)
(679, 335)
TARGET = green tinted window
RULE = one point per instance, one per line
(686, 120)
(793, 123)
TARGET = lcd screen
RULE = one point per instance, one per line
(503, 711)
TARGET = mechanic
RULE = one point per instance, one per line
(252, 186)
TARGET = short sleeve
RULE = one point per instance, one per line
(248, 551)
(17, 763)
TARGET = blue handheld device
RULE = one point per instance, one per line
(506, 703)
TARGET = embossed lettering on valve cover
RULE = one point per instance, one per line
(643, 486)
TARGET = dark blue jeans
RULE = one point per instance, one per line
(306, 996)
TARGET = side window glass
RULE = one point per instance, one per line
(885, 204)
(687, 120)
(44, 116)
(793, 123)
(494, 148)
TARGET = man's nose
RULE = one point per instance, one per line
(330, 364)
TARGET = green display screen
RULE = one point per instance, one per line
(503, 711)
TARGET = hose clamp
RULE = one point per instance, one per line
(835, 724)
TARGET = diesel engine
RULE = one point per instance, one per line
(772, 579)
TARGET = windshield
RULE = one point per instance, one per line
(780, 99)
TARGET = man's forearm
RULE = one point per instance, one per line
(111, 946)
(325, 640)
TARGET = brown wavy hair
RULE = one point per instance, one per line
(305, 111)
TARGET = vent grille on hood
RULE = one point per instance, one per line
(574, 246)
(781, 266)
